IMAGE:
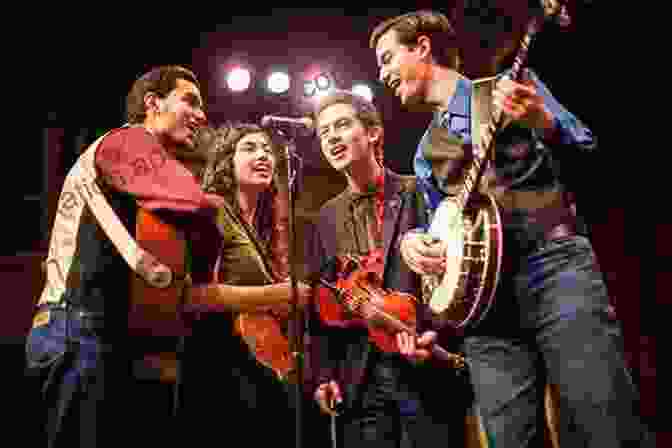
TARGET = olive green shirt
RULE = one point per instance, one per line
(244, 259)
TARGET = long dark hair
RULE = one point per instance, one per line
(219, 145)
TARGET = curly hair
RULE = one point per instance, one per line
(160, 80)
(219, 146)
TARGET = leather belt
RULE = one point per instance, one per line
(91, 320)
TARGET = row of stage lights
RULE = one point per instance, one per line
(239, 80)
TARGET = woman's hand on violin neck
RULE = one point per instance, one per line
(416, 349)
(304, 297)
(304, 293)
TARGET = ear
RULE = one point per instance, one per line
(152, 102)
(424, 46)
(375, 134)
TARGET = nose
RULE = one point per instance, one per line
(333, 138)
(262, 154)
(201, 119)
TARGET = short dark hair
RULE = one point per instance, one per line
(160, 80)
(428, 23)
(365, 111)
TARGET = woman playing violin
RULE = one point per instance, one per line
(227, 387)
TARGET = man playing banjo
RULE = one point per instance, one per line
(549, 321)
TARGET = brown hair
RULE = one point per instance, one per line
(365, 112)
(219, 145)
(160, 80)
(428, 23)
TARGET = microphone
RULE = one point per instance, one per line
(303, 122)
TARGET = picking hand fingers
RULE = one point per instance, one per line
(405, 343)
(326, 394)
(524, 89)
(423, 265)
(422, 355)
(423, 259)
(422, 244)
(324, 407)
(435, 266)
(426, 338)
(436, 249)
(409, 255)
(422, 344)
(428, 266)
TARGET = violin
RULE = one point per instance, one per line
(359, 300)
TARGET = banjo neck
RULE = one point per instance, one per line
(484, 149)
(465, 292)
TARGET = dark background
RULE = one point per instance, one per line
(80, 77)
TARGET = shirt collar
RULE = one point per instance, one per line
(460, 102)
(377, 189)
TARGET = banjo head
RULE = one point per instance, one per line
(462, 295)
(448, 227)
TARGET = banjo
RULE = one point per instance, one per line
(469, 223)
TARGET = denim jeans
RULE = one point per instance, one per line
(66, 359)
(396, 410)
(87, 395)
(551, 323)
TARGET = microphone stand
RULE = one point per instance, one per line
(297, 321)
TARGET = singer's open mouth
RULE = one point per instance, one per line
(337, 150)
(263, 168)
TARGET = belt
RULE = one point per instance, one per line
(91, 320)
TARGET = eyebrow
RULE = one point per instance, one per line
(336, 121)
(195, 98)
(324, 126)
(265, 142)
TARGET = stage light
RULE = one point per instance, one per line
(309, 87)
(238, 79)
(318, 86)
(322, 81)
(321, 93)
(363, 90)
(278, 82)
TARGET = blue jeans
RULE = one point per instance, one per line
(87, 395)
(66, 359)
(399, 409)
(551, 323)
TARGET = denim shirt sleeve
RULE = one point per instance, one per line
(570, 131)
